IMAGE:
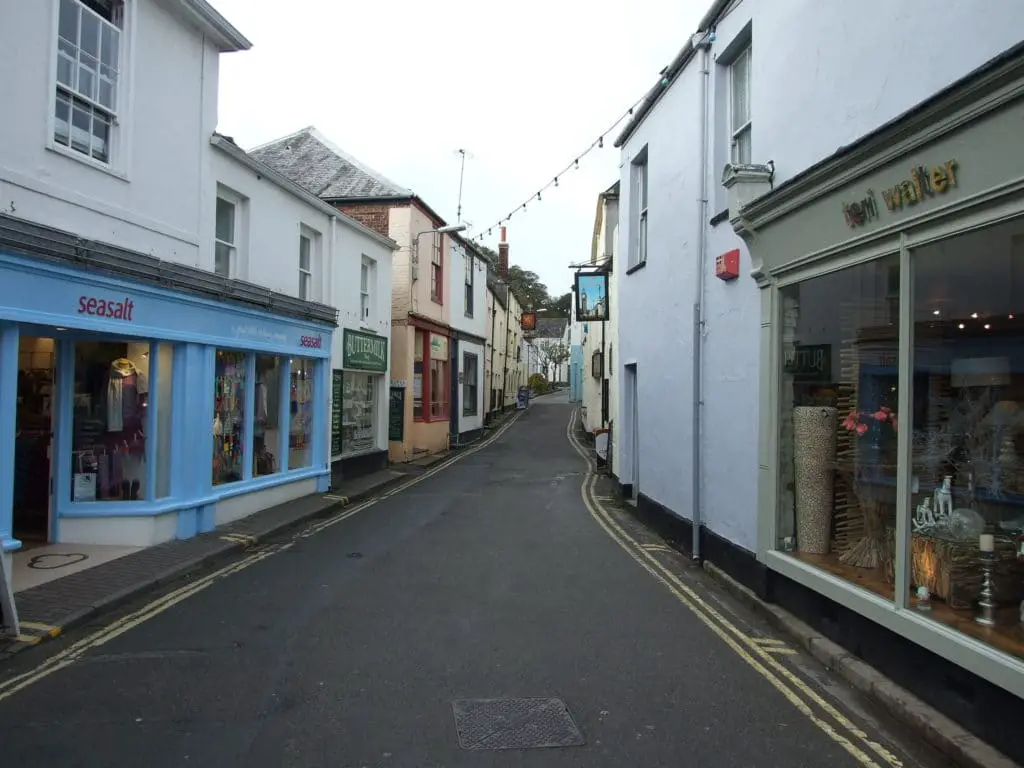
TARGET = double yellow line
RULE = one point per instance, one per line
(756, 652)
(76, 651)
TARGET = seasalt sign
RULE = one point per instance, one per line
(923, 183)
(312, 342)
(116, 309)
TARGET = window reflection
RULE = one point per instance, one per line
(838, 422)
(967, 501)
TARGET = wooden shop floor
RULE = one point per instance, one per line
(1007, 635)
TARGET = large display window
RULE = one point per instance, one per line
(266, 416)
(961, 459)
(966, 566)
(300, 429)
(359, 413)
(229, 438)
(837, 421)
(111, 450)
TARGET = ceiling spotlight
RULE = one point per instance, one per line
(936, 313)
(974, 315)
(961, 326)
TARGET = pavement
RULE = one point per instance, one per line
(489, 613)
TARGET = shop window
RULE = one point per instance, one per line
(419, 343)
(438, 389)
(838, 422)
(164, 410)
(967, 447)
(88, 50)
(300, 425)
(470, 372)
(229, 438)
(266, 423)
(359, 412)
(109, 427)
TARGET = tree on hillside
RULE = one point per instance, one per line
(527, 287)
(558, 306)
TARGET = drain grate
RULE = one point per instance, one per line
(530, 723)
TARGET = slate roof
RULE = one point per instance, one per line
(310, 160)
(550, 327)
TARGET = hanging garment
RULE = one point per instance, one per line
(261, 403)
(115, 403)
(123, 374)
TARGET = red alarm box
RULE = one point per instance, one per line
(727, 265)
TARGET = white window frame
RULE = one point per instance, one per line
(641, 187)
(470, 405)
(740, 136)
(87, 98)
(232, 244)
(305, 273)
(367, 269)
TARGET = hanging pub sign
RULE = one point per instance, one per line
(528, 321)
(591, 290)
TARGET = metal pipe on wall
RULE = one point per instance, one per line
(704, 44)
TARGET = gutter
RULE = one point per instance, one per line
(669, 74)
(226, 145)
(206, 16)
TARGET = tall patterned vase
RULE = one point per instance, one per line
(814, 449)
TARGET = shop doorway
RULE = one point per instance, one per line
(33, 439)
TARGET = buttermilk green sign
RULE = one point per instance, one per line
(364, 351)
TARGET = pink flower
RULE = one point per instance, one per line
(886, 409)
(862, 428)
(895, 424)
(881, 415)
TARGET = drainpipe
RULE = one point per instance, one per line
(490, 368)
(699, 320)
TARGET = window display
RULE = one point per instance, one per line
(359, 413)
(266, 416)
(838, 422)
(229, 416)
(967, 450)
(417, 378)
(300, 430)
(108, 456)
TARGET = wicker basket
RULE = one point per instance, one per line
(949, 569)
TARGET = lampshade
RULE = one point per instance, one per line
(980, 372)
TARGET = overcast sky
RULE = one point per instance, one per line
(402, 85)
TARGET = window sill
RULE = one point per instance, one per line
(71, 154)
(9, 543)
(637, 267)
(719, 217)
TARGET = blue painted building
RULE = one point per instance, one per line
(142, 401)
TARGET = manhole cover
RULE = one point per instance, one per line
(514, 724)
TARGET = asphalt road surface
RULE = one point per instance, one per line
(486, 590)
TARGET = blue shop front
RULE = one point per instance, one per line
(131, 413)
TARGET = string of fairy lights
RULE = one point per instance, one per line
(538, 196)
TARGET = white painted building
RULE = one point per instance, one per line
(468, 320)
(774, 89)
(336, 261)
(598, 373)
(139, 322)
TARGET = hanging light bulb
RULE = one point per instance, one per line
(576, 162)
(600, 142)
(538, 195)
(556, 181)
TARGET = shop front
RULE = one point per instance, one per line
(431, 388)
(132, 414)
(891, 490)
(358, 406)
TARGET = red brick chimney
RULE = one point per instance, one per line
(503, 255)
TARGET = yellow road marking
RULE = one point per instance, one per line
(757, 657)
(28, 639)
(46, 629)
(77, 650)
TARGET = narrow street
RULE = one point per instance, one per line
(357, 644)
